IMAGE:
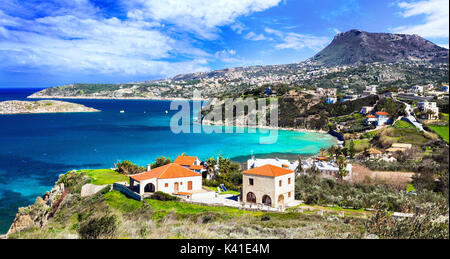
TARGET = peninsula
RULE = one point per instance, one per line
(44, 106)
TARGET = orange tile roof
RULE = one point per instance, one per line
(185, 160)
(269, 170)
(370, 116)
(183, 193)
(196, 167)
(165, 172)
(383, 113)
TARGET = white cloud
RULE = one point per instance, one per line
(256, 37)
(296, 41)
(275, 32)
(68, 43)
(436, 23)
(299, 41)
(202, 17)
(238, 27)
(227, 56)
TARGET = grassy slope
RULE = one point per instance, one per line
(442, 131)
(170, 219)
(104, 176)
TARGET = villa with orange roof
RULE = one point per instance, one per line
(191, 162)
(269, 185)
(172, 179)
(379, 119)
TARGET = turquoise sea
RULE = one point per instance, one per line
(36, 148)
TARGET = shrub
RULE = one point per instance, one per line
(162, 196)
(127, 167)
(161, 161)
(103, 227)
(431, 224)
(74, 180)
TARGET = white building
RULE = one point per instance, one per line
(382, 118)
(331, 100)
(172, 179)
(254, 163)
(327, 169)
(429, 106)
(417, 89)
(371, 90)
(366, 109)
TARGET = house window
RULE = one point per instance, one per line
(189, 185)
(181, 183)
(250, 181)
(166, 185)
(280, 183)
(289, 180)
(289, 194)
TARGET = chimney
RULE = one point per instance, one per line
(149, 167)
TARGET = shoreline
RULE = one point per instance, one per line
(116, 98)
(266, 127)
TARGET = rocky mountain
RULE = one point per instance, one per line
(360, 47)
(354, 58)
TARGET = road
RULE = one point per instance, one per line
(411, 118)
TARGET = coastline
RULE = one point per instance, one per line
(116, 98)
(265, 127)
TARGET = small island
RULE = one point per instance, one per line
(44, 106)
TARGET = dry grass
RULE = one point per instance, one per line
(399, 180)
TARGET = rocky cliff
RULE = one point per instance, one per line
(360, 47)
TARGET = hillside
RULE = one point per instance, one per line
(360, 47)
(354, 58)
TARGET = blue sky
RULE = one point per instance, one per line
(57, 42)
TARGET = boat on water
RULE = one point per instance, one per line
(122, 111)
(167, 111)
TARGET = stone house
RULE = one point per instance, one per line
(268, 185)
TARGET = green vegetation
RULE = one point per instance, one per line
(110, 214)
(357, 196)
(127, 167)
(410, 188)
(104, 176)
(394, 108)
(183, 209)
(161, 161)
(431, 224)
(102, 227)
(360, 144)
(120, 202)
(403, 125)
(229, 175)
(442, 131)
